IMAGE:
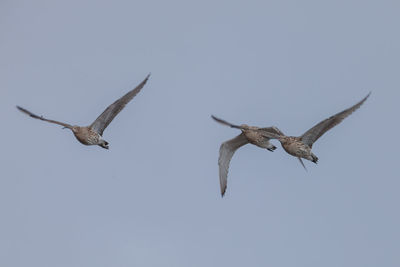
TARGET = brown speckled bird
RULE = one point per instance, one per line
(250, 134)
(92, 134)
(300, 147)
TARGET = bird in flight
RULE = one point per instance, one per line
(250, 134)
(92, 134)
(300, 147)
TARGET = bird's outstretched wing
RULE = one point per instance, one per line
(43, 119)
(226, 152)
(318, 130)
(112, 110)
(225, 122)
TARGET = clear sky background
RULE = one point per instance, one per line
(153, 199)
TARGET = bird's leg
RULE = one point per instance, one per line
(302, 163)
(271, 148)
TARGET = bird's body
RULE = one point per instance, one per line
(92, 134)
(295, 147)
(254, 136)
(87, 136)
(250, 134)
(301, 146)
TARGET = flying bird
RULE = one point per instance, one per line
(93, 134)
(300, 147)
(250, 134)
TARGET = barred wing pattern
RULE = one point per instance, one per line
(318, 130)
(111, 111)
(43, 119)
(226, 152)
(271, 132)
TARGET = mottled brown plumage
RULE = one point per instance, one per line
(92, 134)
(300, 147)
(250, 134)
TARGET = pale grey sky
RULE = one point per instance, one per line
(153, 198)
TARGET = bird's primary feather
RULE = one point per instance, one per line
(112, 110)
(318, 130)
(42, 118)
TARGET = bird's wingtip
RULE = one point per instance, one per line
(145, 79)
(366, 97)
(22, 109)
(216, 119)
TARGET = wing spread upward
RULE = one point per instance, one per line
(43, 119)
(112, 110)
(318, 130)
(226, 152)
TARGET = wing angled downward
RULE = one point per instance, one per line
(112, 110)
(43, 119)
(318, 130)
(226, 152)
